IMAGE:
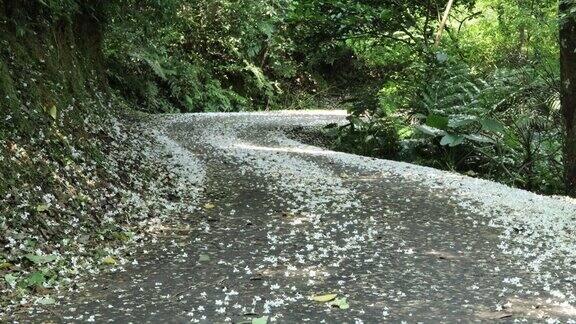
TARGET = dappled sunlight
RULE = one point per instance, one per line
(535, 308)
(276, 113)
(315, 112)
(298, 150)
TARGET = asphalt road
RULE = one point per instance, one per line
(283, 221)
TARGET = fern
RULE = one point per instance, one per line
(154, 61)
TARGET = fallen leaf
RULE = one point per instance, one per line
(46, 301)
(42, 208)
(40, 259)
(341, 303)
(204, 258)
(34, 279)
(209, 206)
(109, 261)
(11, 279)
(5, 265)
(53, 112)
(324, 298)
(260, 320)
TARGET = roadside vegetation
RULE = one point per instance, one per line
(482, 99)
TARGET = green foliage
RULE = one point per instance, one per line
(201, 55)
(162, 83)
(60, 8)
(370, 130)
(485, 104)
(370, 137)
(458, 106)
(507, 33)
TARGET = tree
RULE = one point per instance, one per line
(568, 89)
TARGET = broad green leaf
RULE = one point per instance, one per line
(492, 125)
(204, 258)
(430, 130)
(452, 140)
(324, 298)
(461, 122)
(437, 121)
(40, 259)
(209, 206)
(35, 279)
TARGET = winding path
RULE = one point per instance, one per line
(283, 221)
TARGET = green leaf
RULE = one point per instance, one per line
(42, 208)
(46, 301)
(53, 112)
(209, 206)
(260, 320)
(405, 132)
(204, 258)
(40, 259)
(109, 261)
(479, 138)
(461, 122)
(10, 279)
(492, 125)
(341, 303)
(437, 121)
(441, 57)
(452, 140)
(430, 130)
(189, 102)
(35, 279)
(5, 265)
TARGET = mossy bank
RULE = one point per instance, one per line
(76, 182)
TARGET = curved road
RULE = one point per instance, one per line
(283, 221)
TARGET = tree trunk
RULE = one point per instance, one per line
(568, 91)
(443, 23)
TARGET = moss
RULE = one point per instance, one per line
(7, 88)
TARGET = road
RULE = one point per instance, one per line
(282, 221)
